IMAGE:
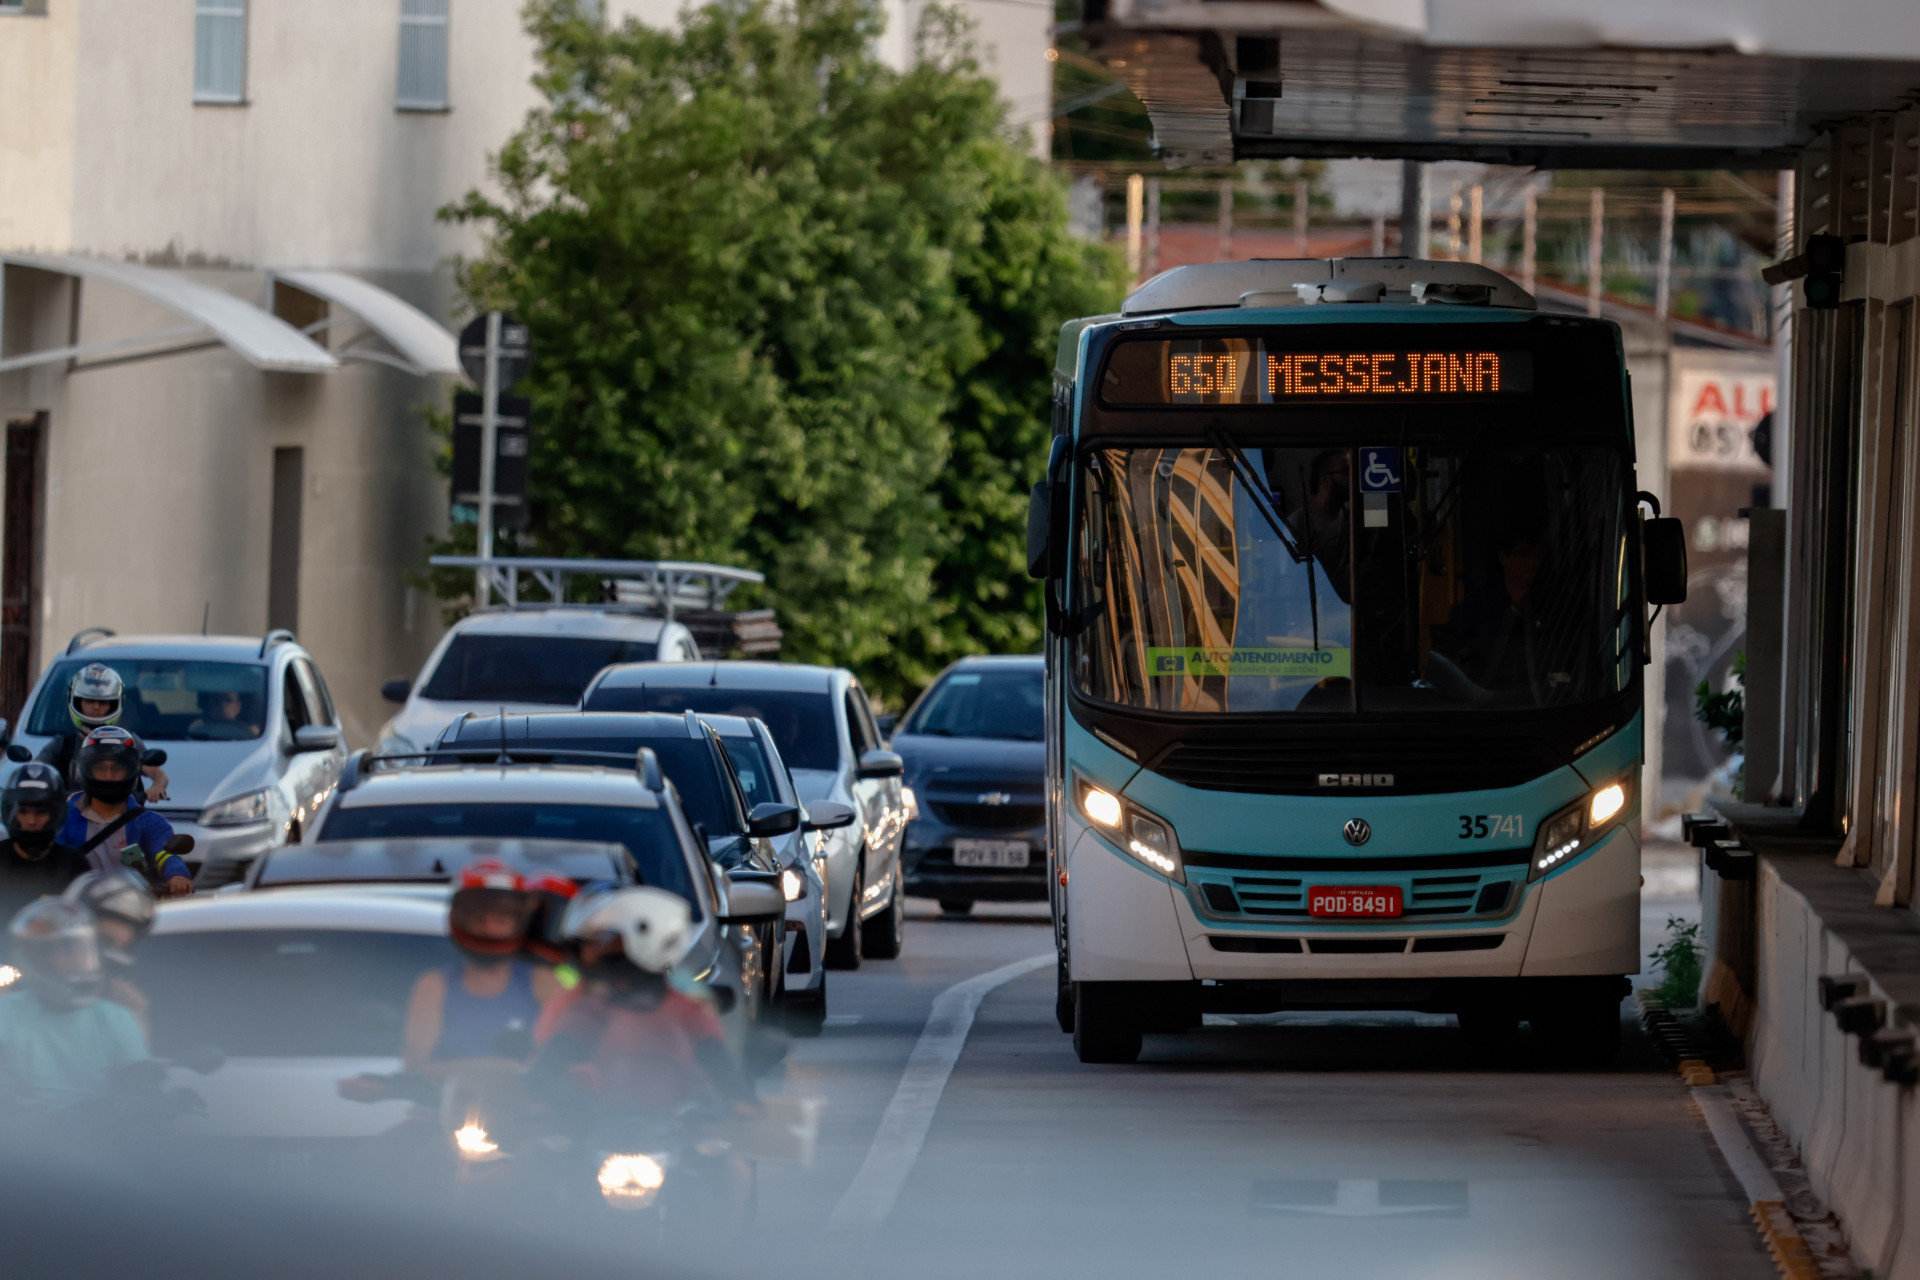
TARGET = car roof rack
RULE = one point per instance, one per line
(279, 635)
(82, 639)
(655, 588)
(644, 763)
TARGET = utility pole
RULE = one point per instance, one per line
(1300, 218)
(1136, 218)
(1596, 233)
(1453, 223)
(1663, 279)
(489, 441)
(1473, 223)
(1416, 231)
(1379, 235)
(1224, 251)
(1529, 236)
(1153, 227)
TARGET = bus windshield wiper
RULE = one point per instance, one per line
(1244, 472)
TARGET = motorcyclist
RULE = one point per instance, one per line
(626, 1035)
(123, 909)
(476, 1008)
(95, 697)
(32, 806)
(107, 824)
(60, 1044)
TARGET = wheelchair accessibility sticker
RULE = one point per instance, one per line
(1379, 470)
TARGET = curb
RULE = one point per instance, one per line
(1766, 1203)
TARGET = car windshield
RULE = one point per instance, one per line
(984, 702)
(1483, 571)
(534, 668)
(687, 762)
(284, 993)
(167, 699)
(750, 765)
(647, 833)
(802, 723)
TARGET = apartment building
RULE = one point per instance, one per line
(226, 300)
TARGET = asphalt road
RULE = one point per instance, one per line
(1296, 1145)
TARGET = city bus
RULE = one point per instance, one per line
(1347, 586)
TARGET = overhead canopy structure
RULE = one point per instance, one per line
(1551, 83)
(423, 344)
(215, 319)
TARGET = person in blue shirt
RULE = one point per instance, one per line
(61, 1045)
(107, 824)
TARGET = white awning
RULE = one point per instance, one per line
(259, 337)
(424, 344)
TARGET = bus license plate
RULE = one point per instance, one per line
(1354, 900)
(1006, 855)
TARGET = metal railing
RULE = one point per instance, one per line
(658, 587)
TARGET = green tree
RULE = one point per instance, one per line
(793, 309)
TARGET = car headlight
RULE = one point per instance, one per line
(251, 807)
(472, 1142)
(1577, 828)
(396, 745)
(1145, 837)
(793, 885)
(631, 1182)
(8, 975)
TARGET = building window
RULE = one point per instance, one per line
(423, 56)
(220, 51)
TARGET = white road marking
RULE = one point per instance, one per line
(904, 1125)
(1716, 1106)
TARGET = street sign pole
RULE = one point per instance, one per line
(489, 430)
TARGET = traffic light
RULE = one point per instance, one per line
(1826, 264)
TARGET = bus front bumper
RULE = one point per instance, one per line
(1126, 924)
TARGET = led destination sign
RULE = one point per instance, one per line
(1242, 371)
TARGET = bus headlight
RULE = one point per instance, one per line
(1577, 828)
(1151, 841)
(1101, 807)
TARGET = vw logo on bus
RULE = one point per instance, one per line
(1357, 831)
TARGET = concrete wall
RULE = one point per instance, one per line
(1858, 1135)
(38, 98)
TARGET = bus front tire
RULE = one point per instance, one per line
(1062, 995)
(1104, 1029)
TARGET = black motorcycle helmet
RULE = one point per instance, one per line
(35, 788)
(109, 746)
(57, 948)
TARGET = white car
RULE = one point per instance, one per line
(826, 733)
(521, 660)
(252, 740)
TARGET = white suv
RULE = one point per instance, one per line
(522, 660)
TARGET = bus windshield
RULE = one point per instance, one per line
(1479, 570)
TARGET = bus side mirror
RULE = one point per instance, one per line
(1663, 542)
(1039, 526)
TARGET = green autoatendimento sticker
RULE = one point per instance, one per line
(1251, 660)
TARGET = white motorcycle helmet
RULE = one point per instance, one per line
(95, 682)
(652, 926)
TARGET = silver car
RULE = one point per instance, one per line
(825, 730)
(252, 740)
(764, 776)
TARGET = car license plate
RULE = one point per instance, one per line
(1003, 854)
(1353, 900)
